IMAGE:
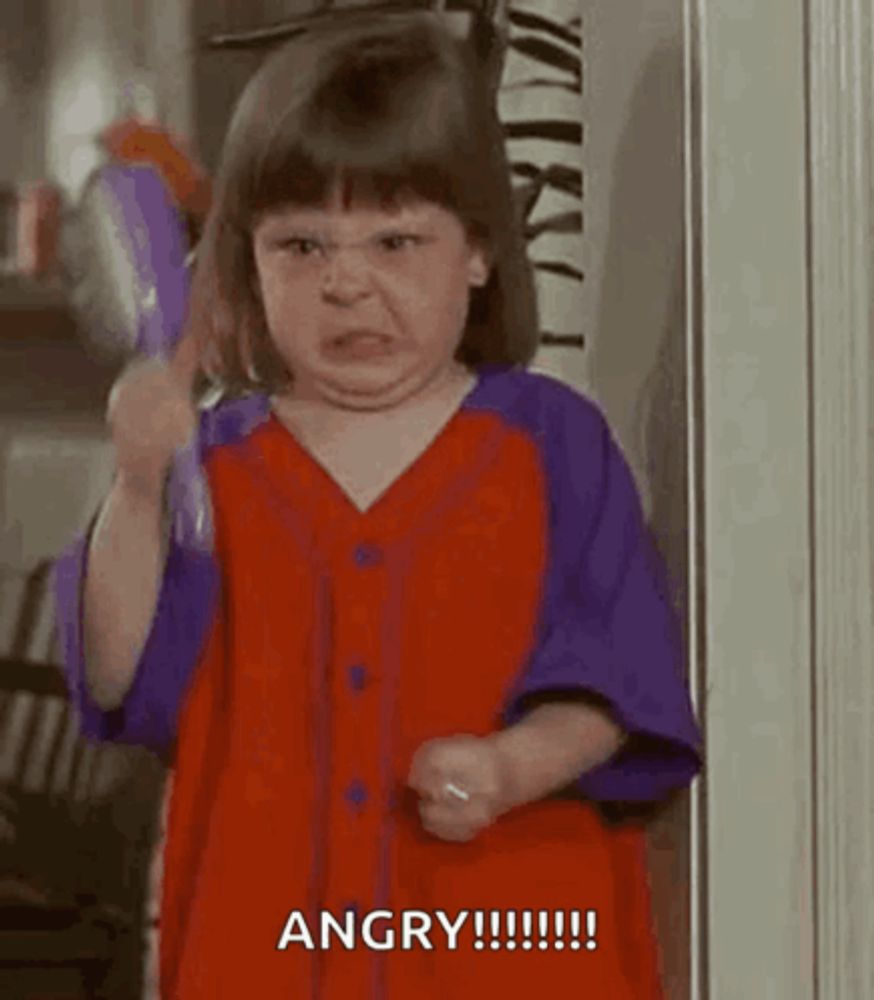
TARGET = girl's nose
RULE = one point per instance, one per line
(346, 276)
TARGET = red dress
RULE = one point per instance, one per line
(333, 643)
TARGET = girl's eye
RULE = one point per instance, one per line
(399, 241)
(301, 246)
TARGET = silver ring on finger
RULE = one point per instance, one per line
(457, 793)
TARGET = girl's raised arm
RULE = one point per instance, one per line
(135, 598)
(151, 415)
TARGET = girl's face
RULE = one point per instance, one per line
(366, 305)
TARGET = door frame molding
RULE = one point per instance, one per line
(841, 133)
(779, 333)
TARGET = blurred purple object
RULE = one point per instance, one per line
(189, 501)
(132, 246)
(132, 298)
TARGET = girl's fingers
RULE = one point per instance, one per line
(420, 780)
(425, 777)
(437, 788)
(448, 828)
(463, 816)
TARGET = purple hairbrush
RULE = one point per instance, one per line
(131, 295)
(132, 282)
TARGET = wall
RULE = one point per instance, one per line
(219, 76)
(107, 58)
(23, 69)
(633, 301)
(633, 317)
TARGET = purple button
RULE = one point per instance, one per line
(357, 677)
(356, 793)
(366, 555)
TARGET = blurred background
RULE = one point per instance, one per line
(591, 94)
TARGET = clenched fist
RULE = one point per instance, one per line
(151, 415)
(444, 771)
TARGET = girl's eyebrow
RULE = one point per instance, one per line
(283, 228)
(403, 225)
(412, 214)
(311, 229)
(403, 213)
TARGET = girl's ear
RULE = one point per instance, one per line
(479, 264)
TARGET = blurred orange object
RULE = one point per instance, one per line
(37, 229)
(135, 141)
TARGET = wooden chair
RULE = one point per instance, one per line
(74, 881)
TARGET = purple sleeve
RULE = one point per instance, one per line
(184, 613)
(607, 626)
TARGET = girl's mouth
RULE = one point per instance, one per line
(360, 344)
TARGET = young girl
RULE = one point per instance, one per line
(420, 633)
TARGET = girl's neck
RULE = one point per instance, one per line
(441, 388)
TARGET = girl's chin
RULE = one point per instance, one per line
(364, 387)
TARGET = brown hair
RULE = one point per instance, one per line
(386, 106)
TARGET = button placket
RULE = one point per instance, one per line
(358, 565)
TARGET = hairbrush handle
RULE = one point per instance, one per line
(189, 500)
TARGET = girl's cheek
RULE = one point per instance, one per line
(283, 298)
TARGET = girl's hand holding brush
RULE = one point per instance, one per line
(152, 416)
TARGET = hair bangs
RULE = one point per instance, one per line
(380, 130)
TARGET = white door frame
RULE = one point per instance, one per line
(842, 89)
(780, 372)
